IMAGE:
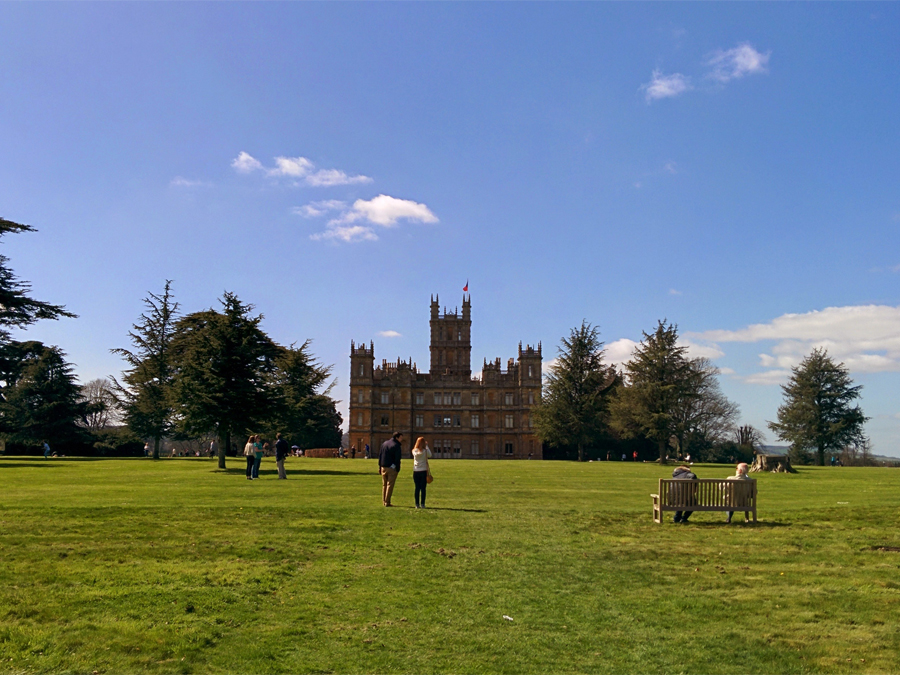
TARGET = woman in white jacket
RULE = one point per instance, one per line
(421, 471)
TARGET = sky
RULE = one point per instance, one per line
(731, 168)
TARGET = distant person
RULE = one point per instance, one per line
(295, 450)
(352, 452)
(46, 450)
(213, 448)
(740, 474)
(683, 473)
(623, 457)
(608, 456)
(147, 449)
(421, 453)
(281, 451)
(250, 454)
(368, 452)
(389, 466)
(634, 455)
(262, 449)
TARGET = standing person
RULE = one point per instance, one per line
(352, 452)
(421, 469)
(258, 451)
(281, 451)
(368, 452)
(389, 465)
(683, 473)
(213, 448)
(740, 474)
(634, 455)
(250, 454)
(46, 450)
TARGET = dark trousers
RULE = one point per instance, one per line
(681, 516)
(251, 460)
(420, 479)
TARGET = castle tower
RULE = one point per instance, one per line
(451, 339)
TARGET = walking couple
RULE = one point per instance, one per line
(389, 466)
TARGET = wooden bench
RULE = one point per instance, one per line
(704, 494)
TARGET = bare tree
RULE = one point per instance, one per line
(704, 415)
(102, 407)
(749, 436)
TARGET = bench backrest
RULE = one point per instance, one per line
(716, 492)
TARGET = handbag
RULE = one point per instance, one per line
(429, 478)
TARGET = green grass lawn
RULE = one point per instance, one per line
(123, 566)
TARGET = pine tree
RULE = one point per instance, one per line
(146, 389)
(223, 362)
(658, 383)
(573, 408)
(817, 413)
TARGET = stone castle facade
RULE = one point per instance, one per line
(459, 415)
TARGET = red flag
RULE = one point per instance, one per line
(466, 287)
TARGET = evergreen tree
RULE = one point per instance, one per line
(573, 409)
(40, 398)
(658, 383)
(145, 390)
(223, 362)
(302, 409)
(817, 413)
(17, 309)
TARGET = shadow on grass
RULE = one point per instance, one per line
(293, 472)
(26, 465)
(448, 508)
(759, 524)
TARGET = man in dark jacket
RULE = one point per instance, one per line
(684, 473)
(389, 464)
(281, 451)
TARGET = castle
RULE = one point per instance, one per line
(459, 415)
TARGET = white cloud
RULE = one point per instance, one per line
(345, 233)
(665, 86)
(329, 177)
(673, 291)
(295, 167)
(390, 334)
(315, 209)
(737, 62)
(620, 351)
(696, 350)
(382, 210)
(670, 167)
(178, 181)
(866, 338)
(245, 163)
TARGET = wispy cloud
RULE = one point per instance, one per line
(389, 334)
(300, 169)
(355, 223)
(665, 86)
(670, 167)
(866, 338)
(320, 208)
(735, 63)
(673, 291)
(181, 182)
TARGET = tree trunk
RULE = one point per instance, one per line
(223, 446)
(772, 463)
(662, 451)
(821, 456)
(580, 452)
(156, 447)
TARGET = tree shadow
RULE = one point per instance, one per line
(26, 465)
(292, 472)
(448, 508)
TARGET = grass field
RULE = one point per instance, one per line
(125, 566)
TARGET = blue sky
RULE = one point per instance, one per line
(731, 167)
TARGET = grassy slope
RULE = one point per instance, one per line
(171, 566)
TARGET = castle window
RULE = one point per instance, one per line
(457, 398)
(530, 398)
(459, 334)
(474, 447)
(437, 398)
(509, 421)
(476, 421)
(420, 420)
(420, 398)
(437, 420)
(508, 448)
(442, 357)
(385, 421)
(457, 448)
(530, 422)
(361, 371)
(359, 419)
(457, 421)
(441, 333)
(446, 447)
(475, 398)
(447, 398)
(508, 399)
(385, 398)
(359, 396)
(447, 420)
(530, 371)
